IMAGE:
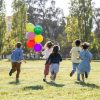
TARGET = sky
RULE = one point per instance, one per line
(64, 4)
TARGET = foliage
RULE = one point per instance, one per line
(2, 24)
(81, 16)
(45, 13)
(19, 21)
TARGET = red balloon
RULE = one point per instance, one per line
(30, 43)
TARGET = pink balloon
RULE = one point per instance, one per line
(30, 36)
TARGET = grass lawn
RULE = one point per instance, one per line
(31, 86)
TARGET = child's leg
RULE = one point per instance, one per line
(46, 71)
(13, 68)
(54, 77)
(78, 76)
(86, 75)
(56, 69)
(82, 77)
(74, 66)
(18, 70)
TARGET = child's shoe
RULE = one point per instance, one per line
(71, 74)
(44, 80)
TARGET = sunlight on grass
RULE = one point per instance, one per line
(31, 86)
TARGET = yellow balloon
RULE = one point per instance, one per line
(38, 38)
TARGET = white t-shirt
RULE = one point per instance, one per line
(46, 53)
(75, 52)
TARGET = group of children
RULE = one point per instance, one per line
(80, 57)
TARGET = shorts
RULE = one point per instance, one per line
(75, 66)
(54, 68)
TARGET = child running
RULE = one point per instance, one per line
(48, 50)
(84, 66)
(16, 58)
(54, 60)
(75, 51)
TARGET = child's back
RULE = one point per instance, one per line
(17, 55)
(75, 51)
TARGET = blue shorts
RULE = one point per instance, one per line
(54, 68)
(75, 66)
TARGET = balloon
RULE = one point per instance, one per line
(30, 43)
(38, 29)
(29, 27)
(30, 36)
(38, 38)
(37, 47)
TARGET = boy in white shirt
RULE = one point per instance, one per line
(75, 52)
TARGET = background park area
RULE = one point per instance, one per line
(82, 21)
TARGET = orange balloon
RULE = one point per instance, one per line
(38, 38)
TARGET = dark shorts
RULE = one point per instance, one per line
(16, 65)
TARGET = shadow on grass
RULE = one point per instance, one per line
(14, 82)
(55, 84)
(38, 87)
(88, 85)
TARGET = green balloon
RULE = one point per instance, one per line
(38, 30)
(29, 27)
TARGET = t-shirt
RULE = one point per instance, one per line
(17, 55)
(54, 58)
(75, 52)
(46, 53)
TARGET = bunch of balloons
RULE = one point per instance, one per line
(34, 37)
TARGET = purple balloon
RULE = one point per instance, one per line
(37, 47)
(30, 36)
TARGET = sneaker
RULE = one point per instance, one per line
(10, 73)
(71, 74)
(44, 80)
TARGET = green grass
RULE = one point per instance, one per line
(32, 87)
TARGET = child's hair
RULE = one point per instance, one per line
(77, 42)
(49, 44)
(55, 49)
(18, 45)
(85, 45)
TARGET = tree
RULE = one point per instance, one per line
(19, 21)
(82, 11)
(45, 13)
(96, 41)
(2, 25)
